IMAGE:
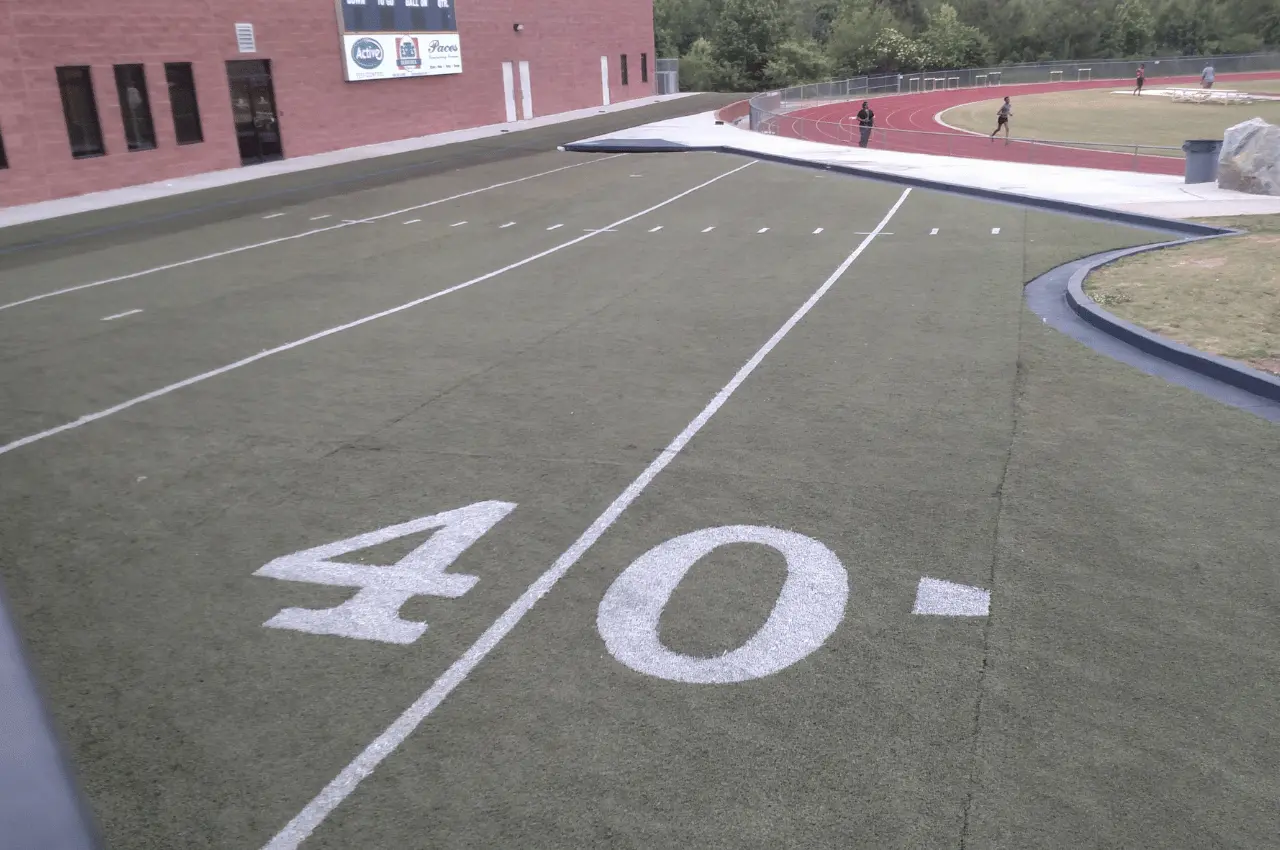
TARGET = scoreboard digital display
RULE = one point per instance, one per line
(398, 16)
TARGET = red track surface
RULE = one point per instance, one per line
(905, 122)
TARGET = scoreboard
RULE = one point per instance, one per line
(386, 39)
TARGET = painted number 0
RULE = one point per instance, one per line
(809, 608)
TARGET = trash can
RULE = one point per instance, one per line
(1202, 160)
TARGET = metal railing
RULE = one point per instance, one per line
(1151, 159)
(782, 101)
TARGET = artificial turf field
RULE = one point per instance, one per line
(603, 395)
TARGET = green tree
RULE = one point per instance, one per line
(951, 43)
(746, 36)
(699, 70)
(797, 60)
(851, 45)
(1132, 29)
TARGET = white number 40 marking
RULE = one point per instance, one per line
(373, 613)
(808, 609)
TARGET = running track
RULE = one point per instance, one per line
(906, 122)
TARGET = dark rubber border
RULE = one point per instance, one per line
(1219, 369)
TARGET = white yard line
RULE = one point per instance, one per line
(317, 230)
(120, 315)
(163, 391)
(315, 812)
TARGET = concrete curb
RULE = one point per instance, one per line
(1220, 369)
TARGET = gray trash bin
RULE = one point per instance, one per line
(1202, 160)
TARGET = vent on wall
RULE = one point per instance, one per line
(244, 38)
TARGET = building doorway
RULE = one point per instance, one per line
(253, 105)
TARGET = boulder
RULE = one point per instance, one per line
(1250, 158)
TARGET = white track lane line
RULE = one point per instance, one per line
(508, 224)
(933, 232)
(655, 229)
(458, 224)
(994, 231)
(708, 229)
(816, 232)
(273, 215)
(298, 829)
(321, 217)
(204, 376)
(331, 227)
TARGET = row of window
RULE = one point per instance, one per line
(80, 107)
(644, 68)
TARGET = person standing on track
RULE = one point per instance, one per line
(1206, 76)
(866, 120)
(1002, 120)
(1140, 79)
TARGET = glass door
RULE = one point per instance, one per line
(253, 106)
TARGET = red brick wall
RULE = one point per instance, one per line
(319, 111)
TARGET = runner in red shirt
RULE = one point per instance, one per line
(1140, 79)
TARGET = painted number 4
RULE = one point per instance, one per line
(374, 612)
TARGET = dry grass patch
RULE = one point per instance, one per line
(1221, 296)
(1098, 117)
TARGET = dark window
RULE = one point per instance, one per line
(624, 69)
(4, 163)
(81, 111)
(135, 107)
(644, 67)
(182, 99)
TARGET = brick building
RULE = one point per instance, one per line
(97, 95)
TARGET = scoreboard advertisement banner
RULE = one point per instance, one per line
(386, 39)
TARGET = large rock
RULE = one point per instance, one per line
(1250, 158)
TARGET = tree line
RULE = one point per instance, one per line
(749, 45)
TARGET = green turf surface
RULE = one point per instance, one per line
(178, 213)
(919, 421)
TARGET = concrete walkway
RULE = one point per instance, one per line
(1147, 194)
(149, 191)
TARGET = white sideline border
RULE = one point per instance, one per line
(59, 207)
(305, 822)
(312, 232)
(261, 355)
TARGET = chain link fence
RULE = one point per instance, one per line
(772, 104)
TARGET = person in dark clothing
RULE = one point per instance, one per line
(866, 120)
(1140, 79)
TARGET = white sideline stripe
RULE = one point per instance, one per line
(995, 230)
(655, 229)
(816, 232)
(306, 821)
(458, 224)
(508, 224)
(121, 315)
(413, 221)
(709, 229)
(933, 232)
(555, 227)
(273, 215)
(154, 394)
(238, 250)
(321, 217)
(763, 230)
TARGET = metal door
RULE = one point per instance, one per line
(253, 106)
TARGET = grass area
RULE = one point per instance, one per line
(1098, 116)
(1221, 296)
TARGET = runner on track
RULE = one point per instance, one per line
(1002, 120)
(1140, 79)
(1206, 76)
(866, 120)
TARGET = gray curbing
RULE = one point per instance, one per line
(1221, 369)
(1229, 372)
